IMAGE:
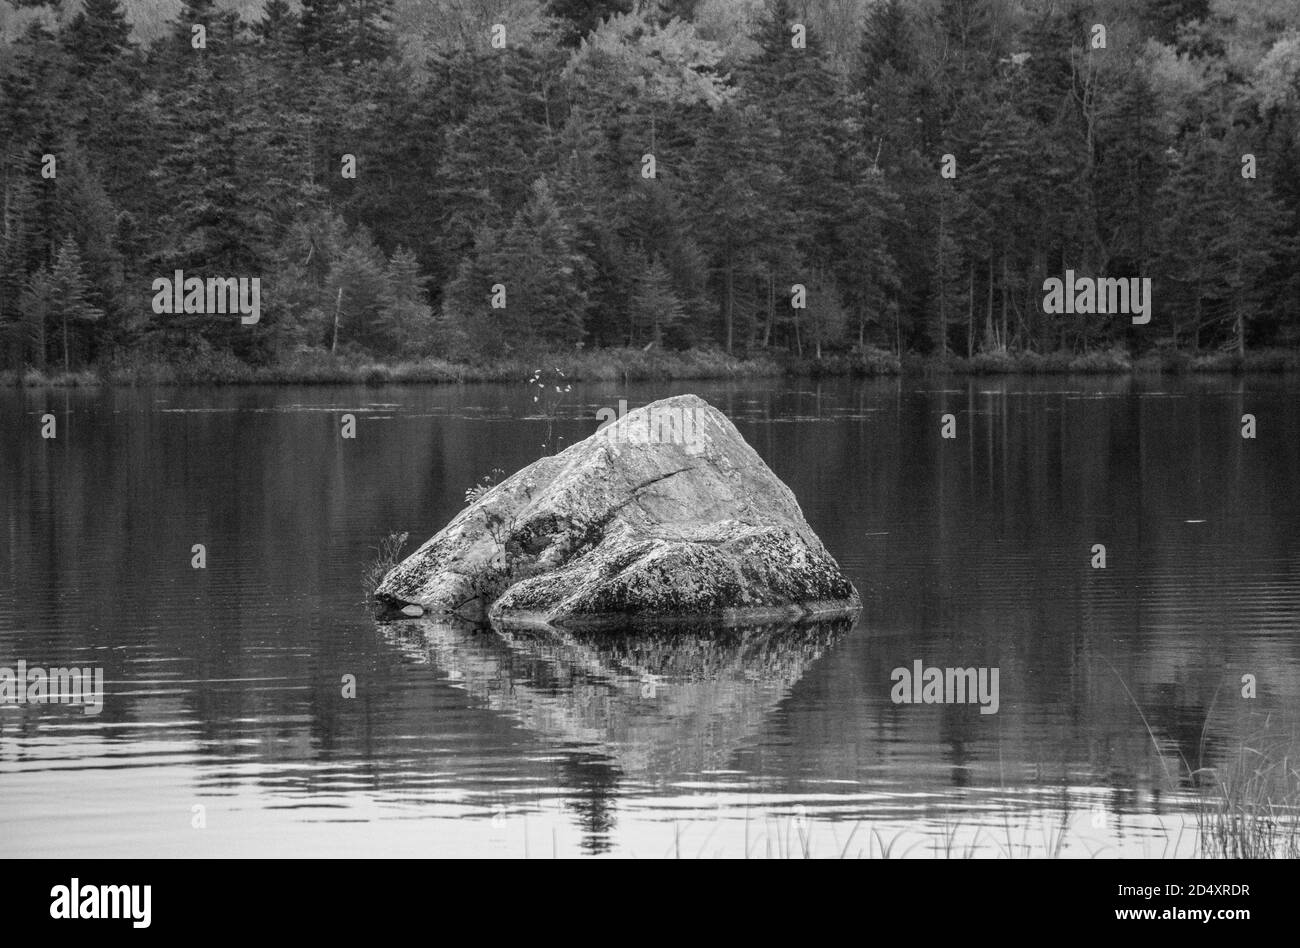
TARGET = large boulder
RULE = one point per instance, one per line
(665, 513)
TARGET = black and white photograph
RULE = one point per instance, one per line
(651, 429)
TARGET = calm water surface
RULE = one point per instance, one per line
(224, 685)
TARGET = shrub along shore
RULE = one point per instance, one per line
(636, 365)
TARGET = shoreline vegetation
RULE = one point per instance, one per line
(439, 190)
(637, 365)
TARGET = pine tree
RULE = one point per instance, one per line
(368, 30)
(278, 27)
(31, 89)
(296, 299)
(322, 30)
(868, 275)
(544, 276)
(468, 325)
(636, 87)
(743, 218)
(1002, 216)
(406, 318)
(549, 272)
(98, 35)
(594, 197)
(37, 307)
(23, 247)
(667, 10)
(357, 287)
(825, 317)
(58, 297)
(582, 16)
(343, 32)
(886, 43)
(491, 151)
(1221, 236)
(395, 196)
(799, 97)
(656, 308)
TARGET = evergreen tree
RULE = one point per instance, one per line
(406, 318)
(278, 27)
(344, 32)
(743, 220)
(57, 297)
(656, 310)
(468, 325)
(97, 36)
(368, 30)
(667, 10)
(582, 16)
(549, 273)
(1221, 235)
(543, 274)
(358, 287)
(322, 30)
(886, 43)
(492, 150)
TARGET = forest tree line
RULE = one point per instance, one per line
(647, 174)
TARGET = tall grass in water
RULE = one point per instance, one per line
(387, 555)
(1251, 811)
(1250, 807)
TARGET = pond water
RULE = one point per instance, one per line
(225, 728)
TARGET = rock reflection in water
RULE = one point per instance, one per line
(660, 704)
